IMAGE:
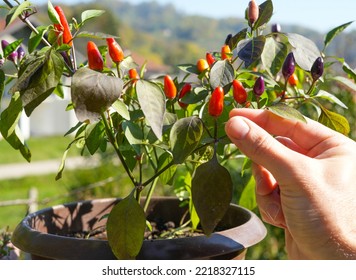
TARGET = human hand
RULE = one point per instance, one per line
(305, 181)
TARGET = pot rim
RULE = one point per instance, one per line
(234, 238)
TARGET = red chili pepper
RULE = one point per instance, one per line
(63, 28)
(225, 52)
(115, 51)
(170, 89)
(133, 75)
(95, 60)
(210, 59)
(185, 89)
(216, 103)
(240, 94)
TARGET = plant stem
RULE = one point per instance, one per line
(116, 148)
(157, 174)
(150, 193)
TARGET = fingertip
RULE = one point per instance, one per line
(237, 128)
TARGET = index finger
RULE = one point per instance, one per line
(306, 135)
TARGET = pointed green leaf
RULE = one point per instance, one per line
(286, 112)
(334, 32)
(125, 228)
(17, 11)
(152, 102)
(266, 12)
(273, 55)
(211, 193)
(237, 38)
(334, 121)
(322, 94)
(90, 14)
(196, 95)
(184, 137)
(346, 82)
(189, 68)
(248, 195)
(2, 84)
(305, 50)
(221, 74)
(250, 50)
(10, 48)
(163, 161)
(93, 93)
(122, 109)
(9, 126)
(52, 13)
(94, 35)
(94, 136)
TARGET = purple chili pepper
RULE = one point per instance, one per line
(20, 53)
(288, 66)
(259, 86)
(317, 69)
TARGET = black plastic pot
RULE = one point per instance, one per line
(41, 233)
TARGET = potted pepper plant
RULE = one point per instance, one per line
(174, 126)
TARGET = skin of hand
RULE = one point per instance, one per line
(305, 181)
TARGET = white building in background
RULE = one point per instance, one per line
(50, 117)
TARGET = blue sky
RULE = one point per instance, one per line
(316, 14)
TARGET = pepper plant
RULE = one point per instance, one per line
(174, 126)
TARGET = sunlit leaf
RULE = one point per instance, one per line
(266, 12)
(305, 50)
(185, 136)
(248, 195)
(273, 55)
(286, 112)
(152, 102)
(334, 121)
(334, 32)
(322, 94)
(90, 14)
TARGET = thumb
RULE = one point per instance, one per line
(262, 148)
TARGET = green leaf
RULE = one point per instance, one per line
(334, 32)
(334, 121)
(221, 74)
(250, 50)
(266, 12)
(153, 105)
(133, 134)
(211, 193)
(237, 38)
(121, 108)
(189, 68)
(346, 82)
(90, 14)
(196, 95)
(93, 93)
(273, 55)
(163, 161)
(287, 112)
(2, 84)
(94, 35)
(36, 39)
(330, 97)
(52, 14)
(248, 195)
(94, 136)
(125, 228)
(38, 77)
(16, 11)
(305, 51)
(349, 70)
(9, 126)
(10, 48)
(184, 137)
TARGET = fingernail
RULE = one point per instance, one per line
(237, 128)
(272, 211)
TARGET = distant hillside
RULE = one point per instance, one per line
(166, 36)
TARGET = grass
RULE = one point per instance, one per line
(41, 149)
